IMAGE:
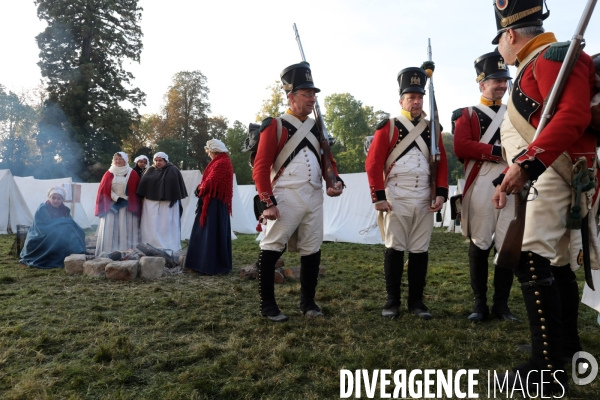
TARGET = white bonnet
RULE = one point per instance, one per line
(216, 146)
(162, 155)
(57, 189)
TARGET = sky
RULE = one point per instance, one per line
(353, 46)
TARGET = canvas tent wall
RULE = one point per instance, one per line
(239, 220)
(89, 192)
(35, 193)
(13, 208)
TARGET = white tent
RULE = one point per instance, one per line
(240, 221)
(351, 217)
(35, 193)
(89, 191)
(13, 209)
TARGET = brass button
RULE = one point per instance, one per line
(537, 293)
(545, 343)
(542, 319)
(538, 302)
(532, 269)
(540, 312)
(543, 327)
(534, 277)
(544, 336)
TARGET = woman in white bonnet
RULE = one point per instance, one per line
(118, 207)
(162, 188)
(141, 165)
(209, 251)
(53, 235)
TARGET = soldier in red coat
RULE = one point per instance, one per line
(288, 177)
(398, 170)
(550, 293)
(477, 145)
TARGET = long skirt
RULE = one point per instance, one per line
(160, 225)
(117, 232)
(210, 245)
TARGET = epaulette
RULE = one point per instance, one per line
(382, 123)
(557, 51)
(266, 122)
(457, 113)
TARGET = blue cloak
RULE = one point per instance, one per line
(50, 240)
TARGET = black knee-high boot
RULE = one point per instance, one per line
(309, 275)
(569, 310)
(393, 267)
(266, 282)
(417, 272)
(542, 302)
(478, 271)
(503, 280)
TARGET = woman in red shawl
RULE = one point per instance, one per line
(118, 207)
(209, 251)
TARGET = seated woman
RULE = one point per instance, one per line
(53, 235)
(118, 207)
(209, 251)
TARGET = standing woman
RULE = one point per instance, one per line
(118, 207)
(141, 165)
(210, 242)
(53, 235)
(162, 188)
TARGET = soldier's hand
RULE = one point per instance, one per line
(336, 190)
(271, 213)
(499, 198)
(514, 180)
(383, 206)
(439, 202)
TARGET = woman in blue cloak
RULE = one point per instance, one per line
(53, 235)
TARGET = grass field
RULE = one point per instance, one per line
(198, 337)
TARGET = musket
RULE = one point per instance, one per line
(435, 132)
(325, 140)
(508, 252)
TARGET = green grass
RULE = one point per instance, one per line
(199, 337)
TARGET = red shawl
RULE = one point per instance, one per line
(104, 201)
(217, 182)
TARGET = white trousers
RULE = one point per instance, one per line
(488, 225)
(301, 210)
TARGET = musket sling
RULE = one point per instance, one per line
(291, 145)
(490, 131)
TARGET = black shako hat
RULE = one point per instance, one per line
(297, 76)
(518, 14)
(491, 66)
(412, 80)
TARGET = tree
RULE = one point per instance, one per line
(234, 142)
(274, 105)
(349, 122)
(455, 168)
(217, 127)
(185, 116)
(81, 55)
(145, 133)
(18, 150)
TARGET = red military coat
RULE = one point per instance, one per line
(468, 130)
(381, 147)
(267, 153)
(566, 131)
